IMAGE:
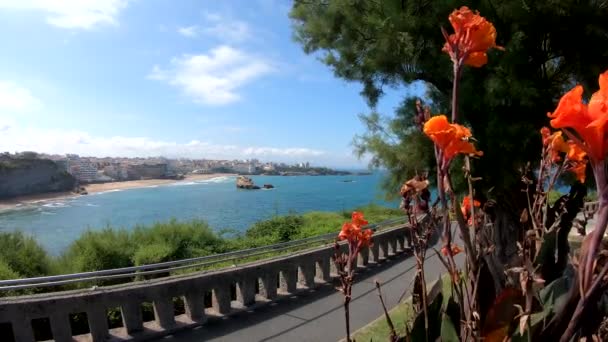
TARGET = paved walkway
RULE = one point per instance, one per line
(317, 315)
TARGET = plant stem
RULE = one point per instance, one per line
(455, 87)
(600, 226)
(391, 326)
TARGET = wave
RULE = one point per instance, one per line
(56, 205)
(182, 183)
(48, 213)
(91, 205)
(108, 191)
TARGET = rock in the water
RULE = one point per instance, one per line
(243, 182)
(268, 186)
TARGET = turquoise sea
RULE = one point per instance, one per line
(57, 223)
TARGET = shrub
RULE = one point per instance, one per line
(176, 240)
(277, 229)
(23, 255)
(150, 254)
(6, 272)
(98, 250)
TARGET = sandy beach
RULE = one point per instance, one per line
(101, 187)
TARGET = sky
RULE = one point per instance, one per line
(174, 78)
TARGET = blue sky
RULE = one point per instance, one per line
(187, 78)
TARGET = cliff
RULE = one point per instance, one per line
(29, 175)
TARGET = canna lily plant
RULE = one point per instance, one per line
(546, 291)
(357, 239)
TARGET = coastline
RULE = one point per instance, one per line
(28, 200)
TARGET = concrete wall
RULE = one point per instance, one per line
(256, 284)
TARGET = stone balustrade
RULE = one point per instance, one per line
(230, 290)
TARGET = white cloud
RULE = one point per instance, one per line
(18, 138)
(226, 29)
(214, 78)
(83, 14)
(188, 31)
(16, 98)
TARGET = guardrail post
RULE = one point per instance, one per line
(60, 326)
(288, 279)
(401, 241)
(268, 285)
(22, 329)
(374, 249)
(363, 257)
(194, 303)
(163, 312)
(220, 299)
(383, 244)
(392, 246)
(323, 272)
(306, 273)
(131, 317)
(98, 323)
(245, 293)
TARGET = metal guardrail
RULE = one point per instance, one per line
(169, 266)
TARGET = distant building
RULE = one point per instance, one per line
(82, 169)
(147, 171)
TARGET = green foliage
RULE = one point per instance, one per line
(553, 196)
(98, 250)
(549, 45)
(277, 229)
(21, 254)
(153, 253)
(6, 272)
(179, 240)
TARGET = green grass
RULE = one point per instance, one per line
(401, 315)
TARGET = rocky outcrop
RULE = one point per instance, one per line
(243, 182)
(30, 175)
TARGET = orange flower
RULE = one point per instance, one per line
(575, 152)
(545, 133)
(365, 238)
(579, 171)
(473, 36)
(455, 250)
(357, 219)
(349, 231)
(465, 207)
(452, 139)
(352, 232)
(557, 145)
(590, 122)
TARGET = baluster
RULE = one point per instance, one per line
(289, 279)
(195, 306)
(60, 326)
(163, 312)
(375, 251)
(131, 317)
(306, 273)
(220, 299)
(98, 323)
(22, 329)
(245, 293)
(363, 257)
(323, 272)
(268, 285)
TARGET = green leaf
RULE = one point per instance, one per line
(448, 332)
(419, 332)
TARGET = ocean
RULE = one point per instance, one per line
(56, 223)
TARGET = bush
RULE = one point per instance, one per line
(277, 229)
(151, 254)
(98, 250)
(176, 240)
(22, 255)
(6, 272)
